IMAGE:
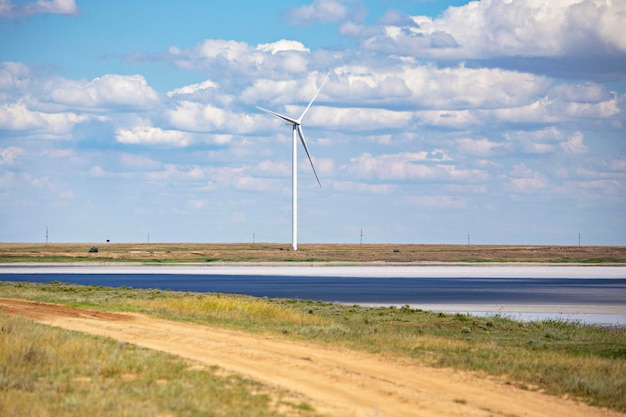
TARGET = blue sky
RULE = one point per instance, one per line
(501, 119)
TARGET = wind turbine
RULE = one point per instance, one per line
(296, 127)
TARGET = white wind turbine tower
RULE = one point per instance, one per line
(297, 127)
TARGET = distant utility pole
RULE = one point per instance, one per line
(361, 236)
(148, 238)
(579, 239)
(46, 235)
(469, 248)
(253, 237)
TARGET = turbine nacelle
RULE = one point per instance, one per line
(297, 124)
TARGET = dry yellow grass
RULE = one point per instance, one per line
(216, 306)
(264, 252)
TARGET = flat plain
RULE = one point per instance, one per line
(274, 252)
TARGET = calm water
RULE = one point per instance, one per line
(375, 286)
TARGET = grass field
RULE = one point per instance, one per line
(46, 371)
(566, 359)
(261, 252)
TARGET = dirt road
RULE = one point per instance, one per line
(335, 381)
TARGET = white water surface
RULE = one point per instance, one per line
(323, 270)
(596, 314)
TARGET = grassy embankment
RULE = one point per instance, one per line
(584, 362)
(261, 252)
(52, 372)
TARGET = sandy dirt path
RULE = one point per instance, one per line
(339, 382)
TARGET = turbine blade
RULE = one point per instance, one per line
(301, 134)
(313, 99)
(280, 116)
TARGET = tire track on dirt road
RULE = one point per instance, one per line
(336, 381)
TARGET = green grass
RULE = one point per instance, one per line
(46, 371)
(561, 358)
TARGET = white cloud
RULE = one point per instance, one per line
(14, 77)
(574, 145)
(362, 188)
(192, 88)
(17, 117)
(461, 87)
(525, 180)
(112, 91)
(489, 28)
(231, 60)
(476, 147)
(281, 169)
(282, 45)
(149, 135)
(44, 182)
(8, 9)
(198, 203)
(407, 166)
(287, 91)
(320, 11)
(588, 92)
(534, 141)
(538, 111)
(249, 183)
(10, 154)
(176, 173)
(97, 171)
(197, 117)
(604, 110)
(60, 153)
(455, 119)
(438, 201)
(429, 87)
(356, 119)
(390, 122)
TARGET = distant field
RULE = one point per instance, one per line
(264, 252)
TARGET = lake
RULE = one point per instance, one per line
(594, 294)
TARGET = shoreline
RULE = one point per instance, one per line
(602, 314)
(357, 270)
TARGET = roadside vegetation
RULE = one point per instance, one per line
(561, 358)
(262, 252)
(45, 371)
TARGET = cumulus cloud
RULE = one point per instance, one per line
(18, 117)
(489, 28)
(14, 78)
(407, 166)
(402, 84)
(574, 144)
(476, 147)
(192, 88)
(525, 180)
(149, 135)
(534, 141)
(271, 168)
(282, 45)
(10, 154)
(10, 10)
(198, 117)
(229, 59)
(111, 91)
